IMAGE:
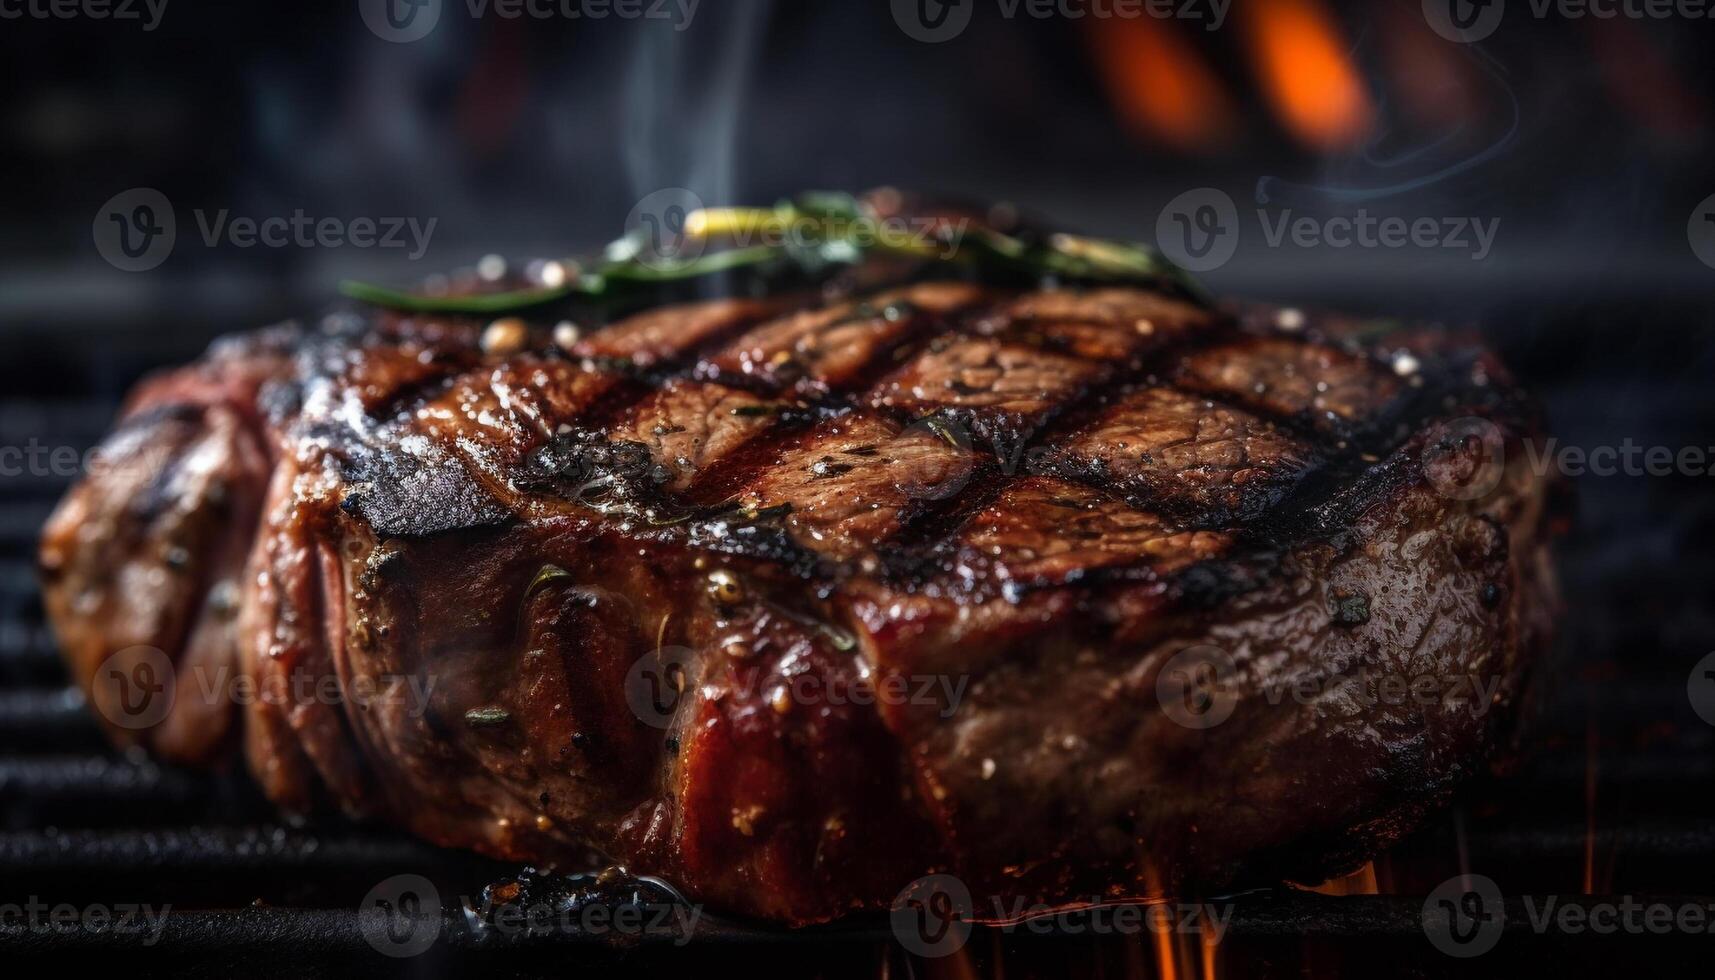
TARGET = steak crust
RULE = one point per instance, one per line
(1074, 594)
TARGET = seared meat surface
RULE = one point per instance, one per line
(793, 601)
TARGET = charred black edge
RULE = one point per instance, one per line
(1336, 484)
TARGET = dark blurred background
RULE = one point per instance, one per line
(1583, 143)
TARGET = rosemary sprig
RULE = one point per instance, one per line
(476, 304)
(669, 271)
(810, 232)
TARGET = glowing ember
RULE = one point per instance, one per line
(1306, 73)
(1159, 84)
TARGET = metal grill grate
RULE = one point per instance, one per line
(1613, 802)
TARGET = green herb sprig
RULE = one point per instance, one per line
(807, 234)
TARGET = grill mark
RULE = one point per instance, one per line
(926, 533)
(1334, 437)
(916, 327)
(1164, 496)
(731, 473)
(734, 471)
(646, 362)
(685, 362)
(925, 528)
(935, 324)
(408, 397)
(1154, 368)
(965, 324)
(611, 407)
(1087, 404)
(929, 530)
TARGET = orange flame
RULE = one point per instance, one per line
(1211, 948)
(1166, 957)
(1306, 73)
(1359, 882)
(1159, 84)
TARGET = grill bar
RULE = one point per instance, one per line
(273, 847)
(81, 824)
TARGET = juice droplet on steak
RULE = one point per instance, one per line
(725, 587)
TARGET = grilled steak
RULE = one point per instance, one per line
(1075, 594)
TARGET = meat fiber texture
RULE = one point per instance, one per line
(1075, 594)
